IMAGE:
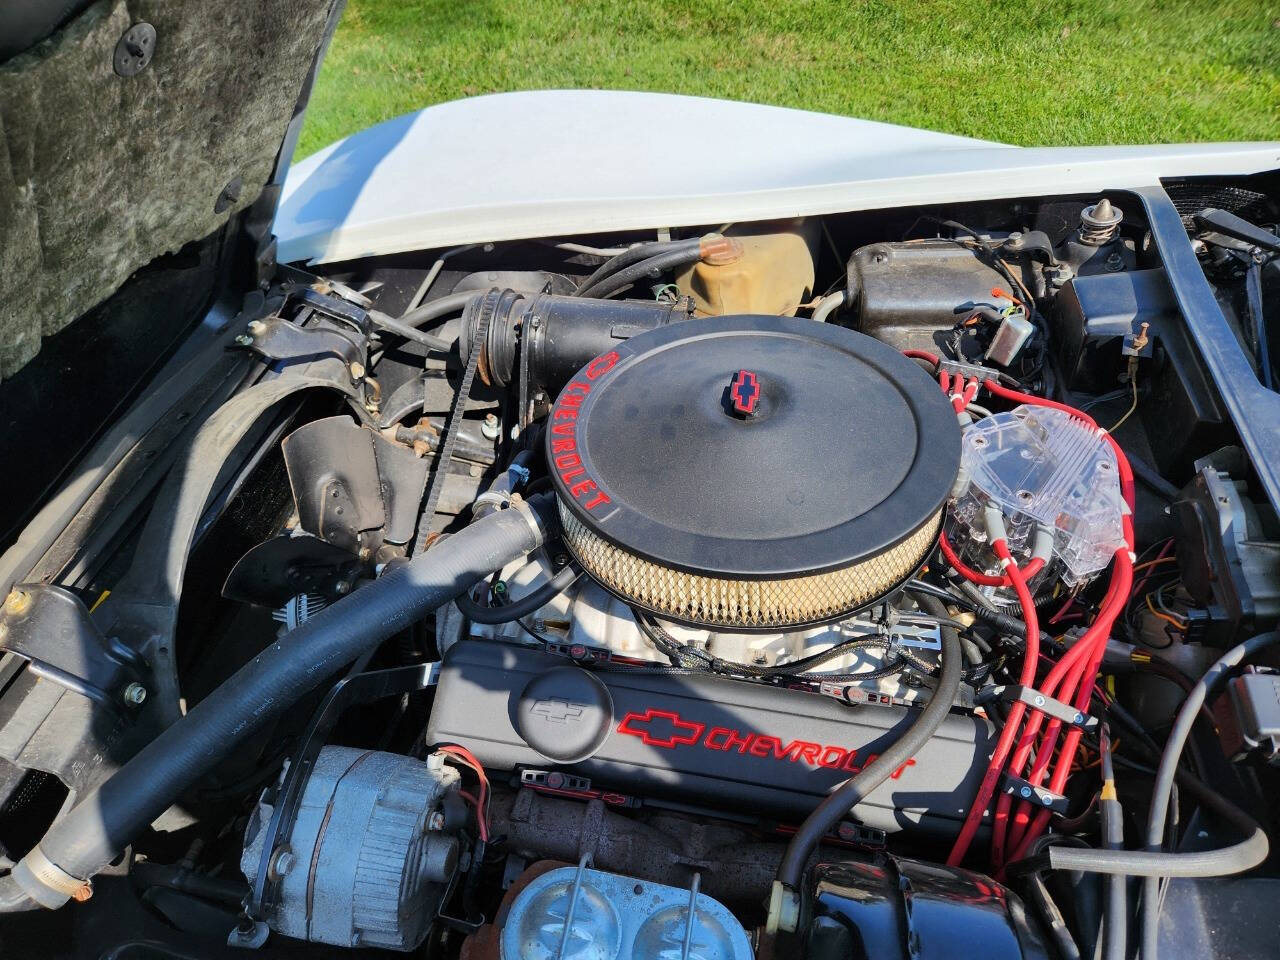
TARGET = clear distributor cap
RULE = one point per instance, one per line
(1042, 466)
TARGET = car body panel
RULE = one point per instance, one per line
(551, 163)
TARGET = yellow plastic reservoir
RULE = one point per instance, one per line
(769, 269)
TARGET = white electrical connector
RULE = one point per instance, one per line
(1011, 336)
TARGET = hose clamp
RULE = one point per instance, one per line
(536, 526)
(46, 882)
(499, 501)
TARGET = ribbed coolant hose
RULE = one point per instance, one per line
(853, 791)
(106, 820)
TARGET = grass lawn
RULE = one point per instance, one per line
(1026, 72)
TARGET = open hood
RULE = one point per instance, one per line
(128, 129)
(445, 176)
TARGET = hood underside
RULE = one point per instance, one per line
(102, 173)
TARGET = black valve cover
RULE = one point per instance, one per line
(699, 739)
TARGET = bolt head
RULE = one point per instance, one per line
(283, 862)
(244, 340)
(18, 602)
(342, 587)
(435, 821)
(1039, 701)
(357, 370)
(1046, 801)
(1025, 791)
(135, 694)
(82, 892)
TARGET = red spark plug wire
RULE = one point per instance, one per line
(1004, 744)
(1072, 679)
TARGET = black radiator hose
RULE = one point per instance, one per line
(106, 820)
(854, 790)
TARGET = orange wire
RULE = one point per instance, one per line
(1164, 616)
(466, 757)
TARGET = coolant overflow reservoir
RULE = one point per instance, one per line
(773, 273)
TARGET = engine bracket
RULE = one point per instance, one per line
(1033, 698)
(1037, 796)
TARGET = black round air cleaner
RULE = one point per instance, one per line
(752, 472)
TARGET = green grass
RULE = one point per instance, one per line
(1027, 72)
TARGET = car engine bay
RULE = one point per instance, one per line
(888, 584)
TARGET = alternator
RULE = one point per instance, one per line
(367, 860)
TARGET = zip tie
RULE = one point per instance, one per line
(1005, 563)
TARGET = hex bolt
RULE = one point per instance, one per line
(282, 862)
(435, 762)
(357, 370)
(491, 429)
(1114, 263)
(342, 587)
(82, 892)
(435, 821)
(244, 340)
(1039, 701)
(18, 601)
(135, 694)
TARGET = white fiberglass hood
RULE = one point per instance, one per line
(561, 162)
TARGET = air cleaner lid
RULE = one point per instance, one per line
(753, 447)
